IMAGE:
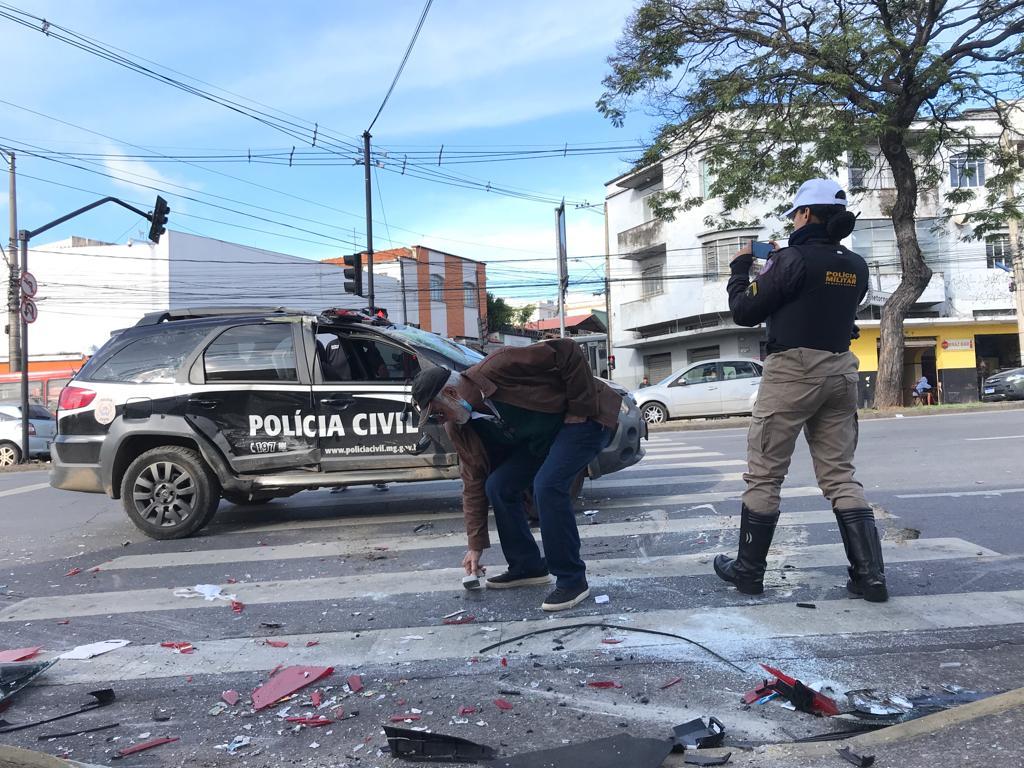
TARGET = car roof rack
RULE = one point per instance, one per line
(195, 313)
(348, 315)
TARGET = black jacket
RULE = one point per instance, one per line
(808, 294)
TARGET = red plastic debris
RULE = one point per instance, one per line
(286, 682)
(230, 580)
(503, 705)
(317, 698)
(143, 747)
(20, 654)
(604, 684)
(64, 621)
(311, 643)
(504, 661)
(73, 572)
(612, 640)
(460, 620)
(310, 722)
(276, 643)
(766, 688)
(355, 683)
(463, 711)
(237, 606)
(94, 570)
(230, 697)
(403, 718)
(188, 679)
(179, 647)
(819, 703)
(672, 682)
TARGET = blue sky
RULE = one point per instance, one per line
(482, 75)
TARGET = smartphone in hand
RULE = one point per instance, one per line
(761, 250)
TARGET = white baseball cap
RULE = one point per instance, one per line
(817, 192)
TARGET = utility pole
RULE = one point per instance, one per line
(1017, 264)
(607, 294)
(369, 220)
(561, 250)
(14, 276)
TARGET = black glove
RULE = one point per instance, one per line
(741, 264)
(855, 332)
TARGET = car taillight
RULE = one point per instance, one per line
(31, 428)
(75, 397)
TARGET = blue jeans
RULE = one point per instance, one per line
(574, 447)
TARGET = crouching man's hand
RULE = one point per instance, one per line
(471, 562)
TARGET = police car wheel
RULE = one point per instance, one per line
(243, 500)
(169, 492)
(655, 413)
(10, 454)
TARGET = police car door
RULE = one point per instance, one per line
(361, 388)
(253, 399)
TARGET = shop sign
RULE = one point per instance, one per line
(958, 344)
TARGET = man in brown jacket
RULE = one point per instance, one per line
(525, 416)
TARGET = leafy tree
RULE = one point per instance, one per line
(523, 315)
(499, 313)
(772, 93)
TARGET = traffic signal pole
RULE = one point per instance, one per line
(14, 275)
(369, 220)
(24, 236)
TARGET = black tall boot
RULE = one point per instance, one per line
(864, 551)
(747, 570)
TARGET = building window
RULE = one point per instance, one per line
(876, 176)
(652, 281)
(857, 177)
(718, 254)
(704, 177)
(997, 251)
(469, 295)
(966, 171)
(697, 354)
(646, 206)
(658, 367)
(436, 288)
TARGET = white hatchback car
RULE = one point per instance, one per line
(42, 428)
(723, 387)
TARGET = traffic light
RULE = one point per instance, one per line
(354, 274)
(158, 219)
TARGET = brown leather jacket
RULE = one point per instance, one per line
(550, 377)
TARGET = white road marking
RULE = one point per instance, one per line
(754, 631)
(604, 573)
(999, 437)
(349, 546)
(615, 481)
(648, 465)
(24, 489)
(678, 455)
(695, 498)
(956, 494)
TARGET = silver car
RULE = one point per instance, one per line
(42, 427)
(722, 387)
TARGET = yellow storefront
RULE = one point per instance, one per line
(953, 354)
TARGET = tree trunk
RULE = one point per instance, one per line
(915, 273)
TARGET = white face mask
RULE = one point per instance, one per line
(459, 410)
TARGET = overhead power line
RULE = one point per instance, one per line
(405, 59)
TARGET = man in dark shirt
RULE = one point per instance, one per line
(525, 417)
(808, 293)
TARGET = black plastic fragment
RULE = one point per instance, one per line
(697, 735)
(806, 605)
(617, 751)
(696, 758)
(423, 747)
(79, 732)
(864, 761)
(103, 698)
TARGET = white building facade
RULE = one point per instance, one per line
(668, 279)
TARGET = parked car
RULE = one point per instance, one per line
(42, 426)
(723, 387)
(189, 406)
(1005, 385)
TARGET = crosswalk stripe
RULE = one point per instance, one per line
(700, 498)
(24, 489)
(680, 455)
(600, 573)
(753, 631)
(650, 466)
(349, 546)
(616, 481)
(673, 447)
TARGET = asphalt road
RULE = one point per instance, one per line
(362, 581)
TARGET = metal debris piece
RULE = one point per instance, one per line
(286, 682)
(696, 734)
(14, 677)
(423, 747)
(96, 729)
(871, 704)
(143, 747)
(696, 758)
(864, 761)
(613, 752)
(800, 696)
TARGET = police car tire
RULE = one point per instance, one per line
(205, 500)
(243, 500)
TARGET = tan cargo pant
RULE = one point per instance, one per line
(813, 391)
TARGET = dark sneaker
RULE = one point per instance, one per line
(564, 598)
(508, 580)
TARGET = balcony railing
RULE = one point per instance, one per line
(642, 241)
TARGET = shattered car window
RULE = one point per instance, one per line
(152, 360)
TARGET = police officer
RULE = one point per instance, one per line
(808, 293)
(524, 418)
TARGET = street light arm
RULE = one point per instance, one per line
(28, 235)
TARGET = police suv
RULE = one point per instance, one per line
(191, 406)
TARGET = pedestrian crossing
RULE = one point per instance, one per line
(362, 581)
